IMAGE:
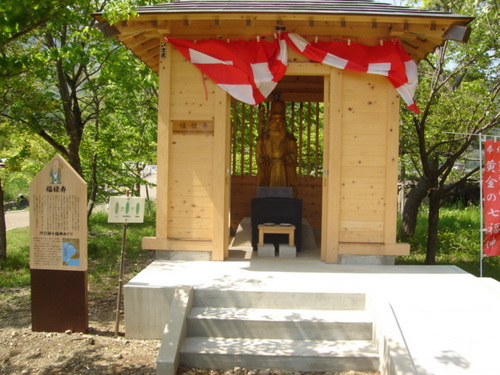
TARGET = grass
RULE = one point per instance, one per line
(14, 271)
(458, 243)
(104, 250)
(459, 239)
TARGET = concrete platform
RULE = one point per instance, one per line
(450, 319)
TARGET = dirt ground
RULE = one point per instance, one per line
(24, 352)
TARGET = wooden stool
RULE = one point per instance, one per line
(277, 229)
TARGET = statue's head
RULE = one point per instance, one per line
(277, 117)
(278, 107)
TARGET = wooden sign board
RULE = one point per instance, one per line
(193, 127)
(58, 218)
(58, 249)
(126, 210)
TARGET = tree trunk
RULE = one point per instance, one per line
(410, 211)
(3, 232)
(93, 187)
(432, 230)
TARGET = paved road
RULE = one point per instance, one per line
(17, 219)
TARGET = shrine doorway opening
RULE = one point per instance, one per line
(304, 98)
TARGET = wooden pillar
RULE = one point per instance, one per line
(391, 181)
(221, 176)
(332, 162)
(163, 141)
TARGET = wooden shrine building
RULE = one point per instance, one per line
(344, 117)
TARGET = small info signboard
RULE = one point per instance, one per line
(126, 210)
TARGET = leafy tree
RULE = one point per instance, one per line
(85, 96)
(17, 19)
(123, 139)
(82, 87)
(459, 98)
(3, 234)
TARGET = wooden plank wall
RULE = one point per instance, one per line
(244, 188)
(190, 175)
(190, 187)
(364, 167)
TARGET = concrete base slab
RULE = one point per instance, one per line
(183, 255)
(286, 251)
(448, 317)
(266, 251)
(368, 260)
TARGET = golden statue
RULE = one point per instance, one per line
(277, 151)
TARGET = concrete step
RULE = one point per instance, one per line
(280, 323)
(279, 300)
(287, 355)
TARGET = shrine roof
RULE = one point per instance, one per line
(345, 7)
(420, 31)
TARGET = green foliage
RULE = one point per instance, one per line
(124, 137)
(458, 87)
(119, 10)
(14, 270)
(86, 97)
(25, 157)
(104, 249)
(18, 19)
(459, 241)
(105, 241)
(459, 96)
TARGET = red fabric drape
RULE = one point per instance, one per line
(388, 59)
(491, 198)
(248, 70)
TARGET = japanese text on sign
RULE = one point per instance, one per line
(58, 218)
(491, 198)
(193, 127)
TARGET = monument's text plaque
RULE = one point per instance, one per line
(58, 218)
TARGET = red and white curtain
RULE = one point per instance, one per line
(491, 198)
(249, 70)
(388, 59)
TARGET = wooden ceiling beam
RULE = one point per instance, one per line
(302, 97)
(133, 40)
(147, 46)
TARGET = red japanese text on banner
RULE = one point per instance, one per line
(491, 198)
